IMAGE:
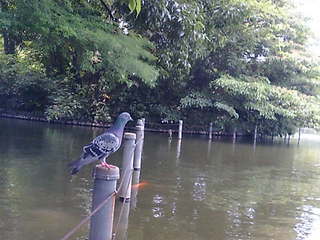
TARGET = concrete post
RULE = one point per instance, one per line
(141, 123)
(127, 166)
(180, 129)
(139, 148)
(210, 131)
(255, 133)
(105, 181)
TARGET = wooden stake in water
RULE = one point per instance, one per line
(180, 129)
(105, 181)
(127, 166)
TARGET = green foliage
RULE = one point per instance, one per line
(268, 102)
(196, 100)
(22, 87)
(135, 5)
(73, 42)
(236, 63)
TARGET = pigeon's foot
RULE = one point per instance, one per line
(106, 165)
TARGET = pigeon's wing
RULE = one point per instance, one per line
(107, 142)
(102, 145)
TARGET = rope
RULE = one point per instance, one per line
(87, 218)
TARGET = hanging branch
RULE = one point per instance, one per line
(108, 10)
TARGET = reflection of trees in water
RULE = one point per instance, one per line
(35, 188)
(10, 199)
(241, 194)
(217, 192)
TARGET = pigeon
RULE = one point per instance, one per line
(103, 145)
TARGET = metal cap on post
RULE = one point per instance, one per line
(127, 166)
(105, 181)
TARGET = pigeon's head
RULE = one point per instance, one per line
(125, 117)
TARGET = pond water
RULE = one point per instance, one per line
(194, 189)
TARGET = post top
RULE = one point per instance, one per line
(180, 121)
(103, 173)
(140, 122)
(128, 135)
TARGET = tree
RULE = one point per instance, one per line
(87, 56)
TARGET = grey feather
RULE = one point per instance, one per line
(103, 145)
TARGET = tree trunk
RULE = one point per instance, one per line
(9, 43)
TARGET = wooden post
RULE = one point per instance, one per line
(105, 181)
(210, 131)
(127, 166)
(180, 129)
(139, 147)
(299, 136)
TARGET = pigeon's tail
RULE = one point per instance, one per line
(75, 166)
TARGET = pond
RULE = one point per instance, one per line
(194, 189)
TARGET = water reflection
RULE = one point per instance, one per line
(135, 190)
(197, 189)
(120, 227)
(178, 148)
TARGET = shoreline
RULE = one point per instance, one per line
(106, 125)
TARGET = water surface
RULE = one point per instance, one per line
(196, 189)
